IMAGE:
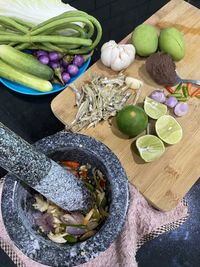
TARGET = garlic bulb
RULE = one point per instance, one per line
(133, 83)
(117, 56)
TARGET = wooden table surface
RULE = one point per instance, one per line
(165, 181)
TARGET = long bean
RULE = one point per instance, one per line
(83, 33)
(67, 14)
(96, 41)
(8, 22)
(54, 25)
(22, 46)
(23, 23)
(52, 47)
(76, 28)
(46, 38)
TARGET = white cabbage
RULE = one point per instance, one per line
(34, 11)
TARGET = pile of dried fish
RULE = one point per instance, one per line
(99, 99)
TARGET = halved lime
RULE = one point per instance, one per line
(150, 147)
(169, 130)
(154, 109)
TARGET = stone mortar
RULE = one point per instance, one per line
(16, 203)
(38, 171)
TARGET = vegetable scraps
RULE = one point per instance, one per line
(71, 227)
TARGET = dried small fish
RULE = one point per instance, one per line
(77, 93)
(99, 99)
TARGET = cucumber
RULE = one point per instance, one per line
(25, 62)
(18, 76)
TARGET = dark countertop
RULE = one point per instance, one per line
(32, 119)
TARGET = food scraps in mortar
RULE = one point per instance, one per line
(70, 227)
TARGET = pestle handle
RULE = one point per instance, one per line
(41, 173)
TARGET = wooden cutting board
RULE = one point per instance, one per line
(163, 182)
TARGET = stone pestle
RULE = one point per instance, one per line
(41, 173)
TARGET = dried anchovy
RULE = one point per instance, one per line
(99, 99)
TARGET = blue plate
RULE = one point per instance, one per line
(56, 87)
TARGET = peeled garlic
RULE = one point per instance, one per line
(40, 204)
(57, 238)
(133, 83)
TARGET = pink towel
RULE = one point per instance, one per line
(142, 220)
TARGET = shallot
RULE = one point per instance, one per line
(171, 102)
(181, 109)
(158, 96)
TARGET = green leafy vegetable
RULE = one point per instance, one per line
(33, 11)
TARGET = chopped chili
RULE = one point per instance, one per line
(169, 89)
(196, 92)
(189, 87)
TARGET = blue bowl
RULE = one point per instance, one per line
(56, 87)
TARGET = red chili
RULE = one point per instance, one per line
(71, 164)
(102, 183)
(169, 89)
(84, 173)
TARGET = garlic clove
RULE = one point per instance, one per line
(109, 44)
(40, 204)
(106, 57)
(57, 238)
(130, 50)
(133, 83)
(117, 64)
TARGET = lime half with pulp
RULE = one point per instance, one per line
(150, 147)
(169, 130)
(154, 109)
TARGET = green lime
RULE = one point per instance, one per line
(154, 109)
(169, 130)
(132, 120)
(150, 147)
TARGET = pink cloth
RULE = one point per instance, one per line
(142, 219)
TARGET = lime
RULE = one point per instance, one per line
(131, 120)
(150, 147)
(168, 129)
(154, 109)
